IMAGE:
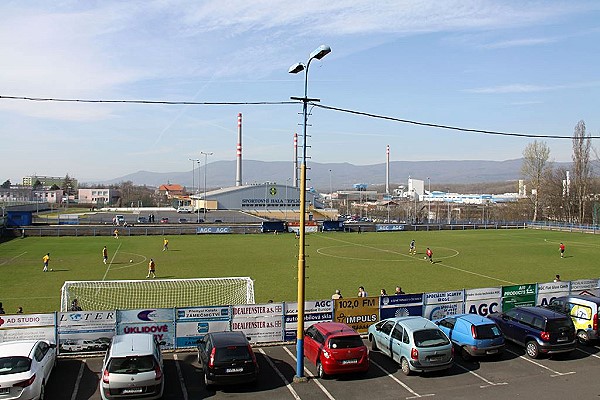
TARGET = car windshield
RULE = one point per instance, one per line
(559, 324)
(430, 338)
(490, 331)
(232, 353)
(131, 365)
(345, 342)
(14, 365)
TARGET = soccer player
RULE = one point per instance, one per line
(165, 244)
(429, 255)
(116, 233)
(151, 269)
(46, 260)
(412, 249)
(105, 254)
(562, 250)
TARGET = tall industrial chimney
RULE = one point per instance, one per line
(238, 175)
(296, 160)
(387, 169)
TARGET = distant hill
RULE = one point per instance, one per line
(343, 175)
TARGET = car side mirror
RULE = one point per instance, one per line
(52, 345)
(436, 322)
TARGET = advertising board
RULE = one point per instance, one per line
(585, 286)
(314, 311)
(357, 312)
(260, 322)
(518, 295)
(28, 326)
(195, 322)
(158, 321)
(483, 301)
(546, 292)
(401, 305)
(85, 331)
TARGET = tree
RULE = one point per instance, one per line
(6, 184)
(582, 145)
(535, 168)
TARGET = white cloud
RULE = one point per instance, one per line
(529, 88)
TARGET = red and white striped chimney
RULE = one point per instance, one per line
(238, 175)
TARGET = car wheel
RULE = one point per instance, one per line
(405, 366)
(373, 343)
(465, 354)
(207, 384)
(532, 349)
(320, 371)
(583, 337)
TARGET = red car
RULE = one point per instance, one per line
(335, 348)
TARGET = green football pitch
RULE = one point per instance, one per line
(462, 259)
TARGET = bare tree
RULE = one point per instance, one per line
(535, 168)
(582, 145)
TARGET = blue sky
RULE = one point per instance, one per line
(512, 66)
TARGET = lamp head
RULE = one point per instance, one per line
(320, 52)
(294, 69)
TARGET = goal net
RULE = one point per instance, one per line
(157, 293)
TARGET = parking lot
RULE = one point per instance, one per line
(512, 376)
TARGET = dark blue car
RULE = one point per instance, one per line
(472, 334)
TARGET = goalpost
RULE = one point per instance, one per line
(157, 293)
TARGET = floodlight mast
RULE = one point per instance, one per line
(317, 54)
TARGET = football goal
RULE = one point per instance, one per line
(157, 293)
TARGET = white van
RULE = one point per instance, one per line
(132, 368)
(185, 209)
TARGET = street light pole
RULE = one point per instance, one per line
(193, 160)
(428, 200)
(330, 192)
(206, 154)
(317, 54)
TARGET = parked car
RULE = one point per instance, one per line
(539, 330)
(185, 209)
(472, 334)
(416, 343)
(335, 348)
(164, 220)
(132, 368)
(142, 220)
(182, 220)
(227, 358)
(583, 310)
(25, 366)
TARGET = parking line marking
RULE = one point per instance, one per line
(555, 373)
(489, 383)
(319, 384)
(404, 385)
(287, 384)
(181, 381)
(588, 353)
(78, 380)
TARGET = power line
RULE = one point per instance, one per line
(455, 128)
(344, 110)
(191, 103)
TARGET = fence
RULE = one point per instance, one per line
(84, 332)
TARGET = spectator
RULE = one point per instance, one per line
(398, 290)
(383, 293)
(75, 305)
(362, 292)
(557, 278)
(1, 309)
(336, 295)
(20, 310)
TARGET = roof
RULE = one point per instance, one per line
(545, 312)
(335, 328)
(132, 344)
(474, 319)
(415, 323)
(171, 188)
(233, 338)
(17, 348)
(594, 299)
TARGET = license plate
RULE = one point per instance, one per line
(4, 390)
(436, 358)
(562, 339)
(132, 390)
(231, 370)
(494, 351)
(352, 361)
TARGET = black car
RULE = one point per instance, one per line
(539, 330)
(227, 358)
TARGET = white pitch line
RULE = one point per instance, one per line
(287, 384)
(111, 261)
(398, 381)
(489, 383)
(555, 373)
(319, 384)
(181, 381)
(78, 380)
(437, 263)
(15, 257)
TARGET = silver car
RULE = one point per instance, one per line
(25, 366)
(416, 343)
(132, 368)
